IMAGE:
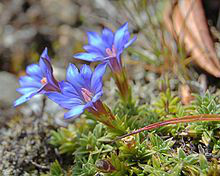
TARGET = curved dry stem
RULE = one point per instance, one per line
(185, 119)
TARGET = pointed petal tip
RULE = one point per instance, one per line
(45, 49)
(125, 25)
(85, 69)
(45, 54)
(15, 104)
(20, 101)
(130, 42)
(97, 96)
(72, 67)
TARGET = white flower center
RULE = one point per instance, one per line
(111, 52)
(87, 95)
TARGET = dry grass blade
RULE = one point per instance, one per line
(187, 23)
(185, 119)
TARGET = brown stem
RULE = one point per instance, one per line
(185, 119)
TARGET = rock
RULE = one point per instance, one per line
(56, 9)
(8, 85)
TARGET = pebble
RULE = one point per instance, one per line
(8, 85)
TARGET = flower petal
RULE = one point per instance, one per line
(71, 73)
(34, 70)
(52, 81)
(64, 101)
(97, 76)
(74, 78)
(130, 41)
(98, 86)
(95, 39)
(68, 90)
(108, 36)
(43, 66)
(86, 73)
(25, 90)
(44, 55)
(92, 49)
(75, 112)
(97, 96)
(24, 98)
(91, 57)
(120, 36)
(27, 81)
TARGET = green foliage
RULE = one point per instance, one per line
(56, 170)
(164, 151)
(65, 139)
(208, 131)
(84, 166)
(207, 104)
(204, 165)
(185, 164)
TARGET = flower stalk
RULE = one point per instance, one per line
(185, 119)
(123, 86)
(102, 113)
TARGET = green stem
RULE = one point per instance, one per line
(123, 86)
(185, 119)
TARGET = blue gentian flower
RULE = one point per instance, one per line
(81, 90)
(107, 47)
(39, 79)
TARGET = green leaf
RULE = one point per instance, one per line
(56, 170)
(181, 154)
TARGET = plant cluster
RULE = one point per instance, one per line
(93, 140)
(183, 149)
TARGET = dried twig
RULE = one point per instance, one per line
(185, 119)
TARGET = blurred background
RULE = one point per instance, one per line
(178, 42)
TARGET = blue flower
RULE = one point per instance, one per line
(107, 47)
(81, 91)
(39, 79)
